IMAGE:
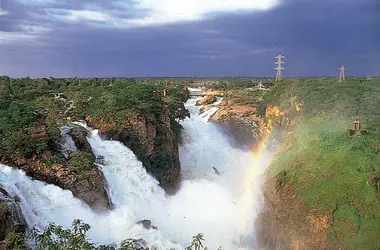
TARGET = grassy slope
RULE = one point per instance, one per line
(330, 170)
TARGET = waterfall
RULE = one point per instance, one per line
(67, 145)
(222, 207)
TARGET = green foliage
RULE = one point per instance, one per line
(15, 240)
(3, 208)
(26, 104)
(196, 244)
(329, 169)
(55, 237)
(81, 162)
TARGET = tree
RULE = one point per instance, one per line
(54, 237)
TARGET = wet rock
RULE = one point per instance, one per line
(146, 223)
(216, 171)
(141, 244)
(100, 160)
(153, 140)
(11, 217)
(88, 187)
(3, 191)
(79, 135)
(209, 99)
(245, 131)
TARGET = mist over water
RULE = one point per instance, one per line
(222, 207)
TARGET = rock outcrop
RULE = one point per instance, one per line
(87, 185)
(147, 224)
(11, 219)
(152, 139)
(239, 121)
(79, 135)
(209, 99)
(284, 212)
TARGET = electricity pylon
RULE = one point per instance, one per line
(341, 76)
(279, 67)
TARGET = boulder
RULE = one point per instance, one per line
(88, 187)
(146, 223)
(79, 135)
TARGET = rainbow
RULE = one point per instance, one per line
(250, 195)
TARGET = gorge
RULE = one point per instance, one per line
(205, 201)
(249, 168)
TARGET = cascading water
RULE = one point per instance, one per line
(222, 207)
(67, 144)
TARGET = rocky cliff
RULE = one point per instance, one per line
(87, 183)
(12, 223)
(287, 222)
(154, 141)
(239, 121)
(321, 190)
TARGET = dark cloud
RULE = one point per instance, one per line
(316, 38)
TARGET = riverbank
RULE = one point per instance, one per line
(322, 189)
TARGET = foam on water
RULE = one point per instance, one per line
(222, 207)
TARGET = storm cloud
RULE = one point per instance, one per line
(164, 38)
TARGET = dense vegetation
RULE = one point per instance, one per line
(334, 173)
(26, 104)
(55, 237)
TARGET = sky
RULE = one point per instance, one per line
(188, 38)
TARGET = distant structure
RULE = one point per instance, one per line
(341, 76)
(166, 88)
(356, 129)
(260, 86)
(279, 67)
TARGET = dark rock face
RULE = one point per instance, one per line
(147, 224)
(86, 185)
(154, 142)
(79, 135)
(244, 130)
(88, 188)
(287, 222)
(11, 218)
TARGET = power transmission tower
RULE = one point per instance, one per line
(279, 67)
(341, 76)
(165, 87)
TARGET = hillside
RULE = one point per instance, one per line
(323, 186)
(34, 111)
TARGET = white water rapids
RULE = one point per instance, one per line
(222, 207)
